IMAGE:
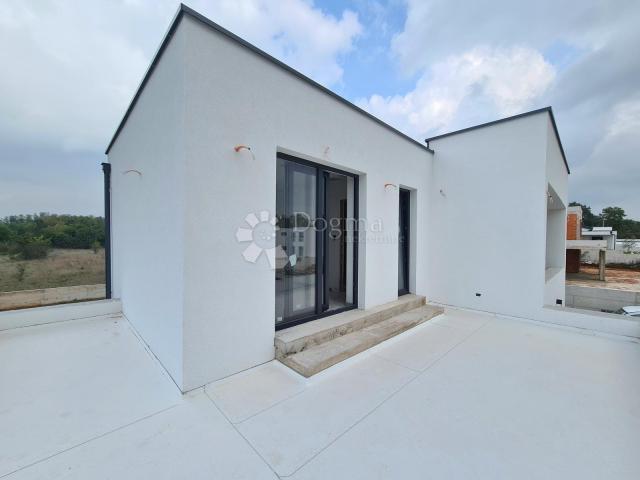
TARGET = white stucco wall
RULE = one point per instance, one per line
(235, 96)
(555, 238)
(489, 197)
(148, 211)
(557, 179)
(554, 288)
(556, 169)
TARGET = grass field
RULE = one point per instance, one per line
(62, 268)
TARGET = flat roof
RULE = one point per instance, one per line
(219, 430)
(549, 110)
(601, 233)
(184, 10)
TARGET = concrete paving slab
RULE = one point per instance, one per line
(463, 319)
(513, 401)
(192, 440)
(295, 430)
(66, 383)
(424, 346)
(248, 393)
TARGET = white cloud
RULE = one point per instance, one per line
(626, 119)
(509, 79)
(292, 30)
(71, 67)
(437, 28)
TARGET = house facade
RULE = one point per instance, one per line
(594, 243)
(246, 199)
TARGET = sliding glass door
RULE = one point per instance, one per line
(316, 241)
(295, 240)
(403, 241)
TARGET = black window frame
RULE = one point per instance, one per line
(321, 241)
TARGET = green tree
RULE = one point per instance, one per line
(589, 220)
(629, 229)
(613, 217)
(29, 248)
(5, 233)
(62, 231)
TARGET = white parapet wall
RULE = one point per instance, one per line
(608, 323)
(50, 296)
(632, 244)
(28, 317)
(614, 257)
(594, 298)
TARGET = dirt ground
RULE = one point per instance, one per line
(618, 278)
(62, 268)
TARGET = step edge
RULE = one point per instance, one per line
(330, 333)
(376, 315)
(307, 372)
(304, 370)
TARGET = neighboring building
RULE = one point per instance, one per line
(574, 233)
(606, 234)
(579, 239)
(221, 141)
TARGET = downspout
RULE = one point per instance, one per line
(106, 169)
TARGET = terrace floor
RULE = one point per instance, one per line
(465, 395)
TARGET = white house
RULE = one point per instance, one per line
(222, 143)
(605, 234)
(590, 245)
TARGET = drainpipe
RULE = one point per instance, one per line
(106, 169)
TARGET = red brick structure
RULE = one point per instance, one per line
(573, 225)
(574, 229)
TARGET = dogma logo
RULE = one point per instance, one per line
(261, 234)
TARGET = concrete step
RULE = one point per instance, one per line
(321, 356)
(306, 335)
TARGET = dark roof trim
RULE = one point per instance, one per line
(182, 10)
(507, 119)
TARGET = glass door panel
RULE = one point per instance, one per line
(339, 241)
(296, 261)
(403, 242)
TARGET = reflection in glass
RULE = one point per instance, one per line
(295, 240)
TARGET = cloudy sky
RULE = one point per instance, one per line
(70, 68)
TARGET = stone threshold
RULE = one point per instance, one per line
(312, 347)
